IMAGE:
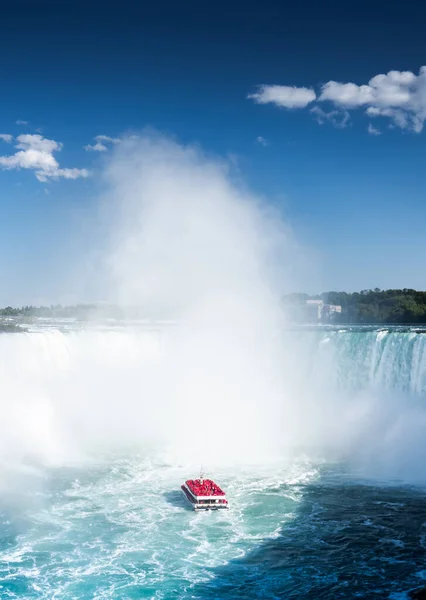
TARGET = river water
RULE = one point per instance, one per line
(90, 505)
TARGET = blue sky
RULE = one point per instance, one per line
(346, 162)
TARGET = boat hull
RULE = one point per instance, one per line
(200, 506)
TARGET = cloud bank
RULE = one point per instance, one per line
(398, 96)
(184, 241)
(167, 200)
(35, 152)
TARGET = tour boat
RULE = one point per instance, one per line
(204, 494)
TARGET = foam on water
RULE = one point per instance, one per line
(122, 529)
(83, 518)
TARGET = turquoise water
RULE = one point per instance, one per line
(99, 521)
(123, 530)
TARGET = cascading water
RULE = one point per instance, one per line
(97, 387)
(101, 424)
(90, 501)
(388, 359)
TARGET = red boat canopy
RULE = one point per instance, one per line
(207, 487)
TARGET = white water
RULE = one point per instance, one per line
(99, 427)
(93, 453)
(120, 529)
(70, 396)
(93, 460)
(184, 241)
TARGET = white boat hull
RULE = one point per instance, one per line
(205, 504)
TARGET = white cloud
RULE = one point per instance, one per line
(28, 141)
(6, 137)
(398, 116)
(372, 130)
(398, 95)
(36, 153)
(98, 147)
(107, 138)
(284, 96)
(348, 95)
(262, 141)
(339, 118)
(101, 143)
(20, 122)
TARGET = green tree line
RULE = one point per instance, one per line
(80, 311)
(368, 306)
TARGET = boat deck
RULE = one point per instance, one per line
(205, 487)
(204, 494)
